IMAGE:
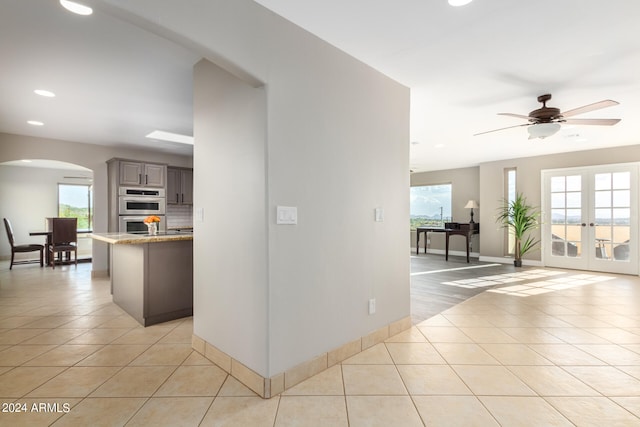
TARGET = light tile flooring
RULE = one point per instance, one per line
(567, 356)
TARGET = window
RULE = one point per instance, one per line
(76, 201)
(510, 196)
(430, 205)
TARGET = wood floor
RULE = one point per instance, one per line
(429, 294)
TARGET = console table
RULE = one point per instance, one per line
(450, 229)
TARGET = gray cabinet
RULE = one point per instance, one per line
(179, 186)
(142, 174)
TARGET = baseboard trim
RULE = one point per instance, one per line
(509, 260)
(99, 274)
(273, 386)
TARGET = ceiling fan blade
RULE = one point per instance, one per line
(590, 107)
(596, 122)
(518, 116)
(496, 130)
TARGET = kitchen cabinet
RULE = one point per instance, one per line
(179, 186)
(142, 174)
(151, 276)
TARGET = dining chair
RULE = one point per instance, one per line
(64, 239)
(21, 248)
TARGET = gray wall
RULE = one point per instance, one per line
(465, 186)
(529, 182)
(93, 157)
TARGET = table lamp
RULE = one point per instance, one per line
(471, 204)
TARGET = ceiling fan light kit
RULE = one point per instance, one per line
(543, 130)
(546, 121)
(457, 3)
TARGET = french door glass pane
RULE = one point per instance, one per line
(558, 200)
(621, 180)
(622, 216)
(602, 181)
(574, 183)
(621, 198)
(612, 215)
(574, 200)
(574, 216)
(603, 199)
(566, 215)
(557, 184)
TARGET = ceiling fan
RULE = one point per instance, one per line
(545, 121)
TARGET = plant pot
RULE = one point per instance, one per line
(517, 263)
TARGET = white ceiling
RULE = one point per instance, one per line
(115, 82)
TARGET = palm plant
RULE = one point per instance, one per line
(520, 218)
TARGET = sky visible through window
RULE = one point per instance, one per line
(74, 201)
(430, 205)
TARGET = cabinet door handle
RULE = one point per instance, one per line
(146, 179)
(139, 178)
(177, 198)
(182, 197)
(583, 224)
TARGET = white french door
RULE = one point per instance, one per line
(591, 218)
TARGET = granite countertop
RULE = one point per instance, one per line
(137, 239)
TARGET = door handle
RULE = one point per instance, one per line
(583, 224)
(146, 179)
(177, 199)
(591, 224)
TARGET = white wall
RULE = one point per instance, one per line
(230, 240)
(93, 157)
(334, 143)
(27, 196)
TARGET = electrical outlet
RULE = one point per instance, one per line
(372, 306)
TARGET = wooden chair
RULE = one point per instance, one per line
(21, 248)
(64, 238)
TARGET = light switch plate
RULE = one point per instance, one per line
(379, 214)
(286, 215)
(200, 214)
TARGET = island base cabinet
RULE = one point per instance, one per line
(153, 282)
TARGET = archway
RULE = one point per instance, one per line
(34, 189)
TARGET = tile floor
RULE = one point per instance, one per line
(569, 355)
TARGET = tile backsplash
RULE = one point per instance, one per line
(179, 215)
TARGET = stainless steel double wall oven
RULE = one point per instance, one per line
(135, 204)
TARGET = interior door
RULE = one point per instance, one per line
(591, 220)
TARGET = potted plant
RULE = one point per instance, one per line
(520, 219)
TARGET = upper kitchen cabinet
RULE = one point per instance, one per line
(137, 174)
(179, 186)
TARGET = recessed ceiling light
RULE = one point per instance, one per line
(46, 93)
(35, 123)
(77, 8)
(459, 2)
(169, 136)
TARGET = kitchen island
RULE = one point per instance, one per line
(151, 276)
